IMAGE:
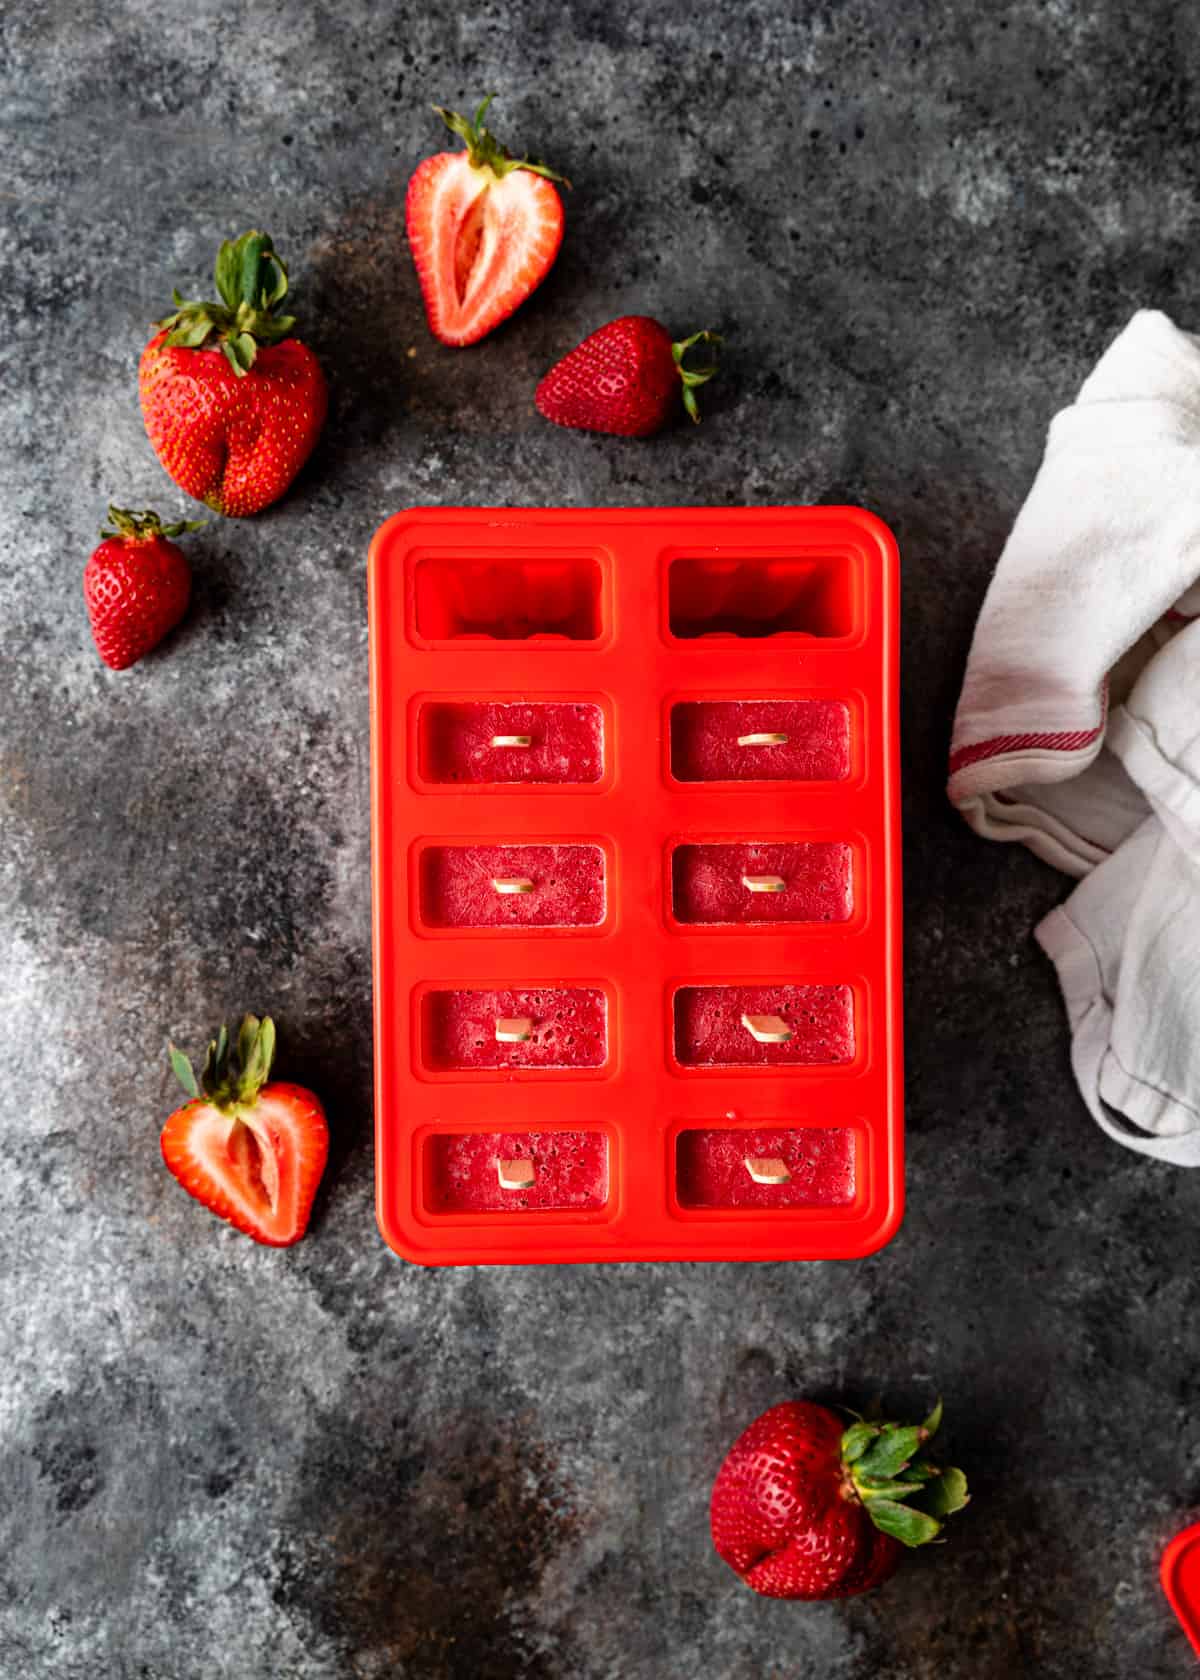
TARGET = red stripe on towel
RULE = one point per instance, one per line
(1062, 741)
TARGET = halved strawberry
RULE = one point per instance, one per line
(483, 228)
(252, 1152)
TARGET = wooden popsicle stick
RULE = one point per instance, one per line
(764, 738)
(512, 740)
(767, 1169)
(764, 883)
(513, 1029)
(512, 883)
(767, 1029)
(515, 1175)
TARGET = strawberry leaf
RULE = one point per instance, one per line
(856, 1440)
(693, 377)
(247, 1034)
(888, 1490)
(227, 273)
(947, 1494)
(256, 1066)
(251, 250)
(891, 1452)
(183, 1070)
(911, 1528)
(933, 1422)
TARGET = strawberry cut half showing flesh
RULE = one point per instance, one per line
(484, 230)
(253, 1153)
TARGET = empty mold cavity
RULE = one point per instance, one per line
(512, 886)
(797, 1167)
(760, 741)
(756, 1026)
(549, 1027)
(509, 600)
(517, 1172)
(726, 596)
(526, 742)
(746, 881)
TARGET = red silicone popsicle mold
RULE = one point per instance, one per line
(635, 846)
(1180, 1575)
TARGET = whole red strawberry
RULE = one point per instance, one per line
(252, 1152)
(233, 404)
(136, 586)
(483, 228)
(626, 377)
(805, 1508)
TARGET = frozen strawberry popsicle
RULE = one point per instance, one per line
(746, 1026)
(512, 1172)
(532, 742)
(553, 1027)
(760, 741)
(513, 886)
(785, 881)
(811, 1166)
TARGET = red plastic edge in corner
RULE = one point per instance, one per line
(1180, 1574)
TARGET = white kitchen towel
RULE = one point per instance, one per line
(1127, 942)
(1078, 729)
(1105, 550)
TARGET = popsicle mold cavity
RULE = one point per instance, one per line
(508, 600)
(513, 1172)
(784, 881)
(550, 1027)
(512, 886)
(720, 1167)
(527, 742)
(740, 1026)
(728, 596)
(760, 741)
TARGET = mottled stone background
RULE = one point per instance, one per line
(918, 225)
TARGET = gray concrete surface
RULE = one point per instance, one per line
(917, 224)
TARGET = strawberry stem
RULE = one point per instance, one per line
(693, 377)
(232, 1076)
(484, 151)
(142, 527)
(251, 281)
(904, 1494)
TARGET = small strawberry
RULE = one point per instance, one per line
(625, 377)
(252, 1152)
(805, 1508)
(483, 228)
(233, 404)
(136, 586)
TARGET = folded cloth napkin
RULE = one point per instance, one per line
(1078, 728)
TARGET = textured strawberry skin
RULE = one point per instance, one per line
(233, 442)
(621, 379)
(288, 1122)
(135, 592)
(480, 244)
(779, 1516)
